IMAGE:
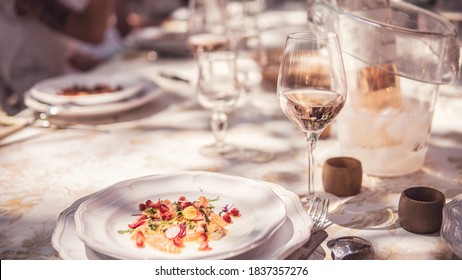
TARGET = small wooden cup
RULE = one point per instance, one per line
(420, 209)
(342, 176)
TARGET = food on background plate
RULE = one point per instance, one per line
(167, 225)
(78, 90)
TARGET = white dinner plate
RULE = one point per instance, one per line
(294, 232)
(181, 83)
(48, 91)
(148, 94)
(100, 217)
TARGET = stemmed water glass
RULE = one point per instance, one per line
(312, 89)
(246, 42)
(218, 90)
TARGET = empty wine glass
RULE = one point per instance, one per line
(249, 55)
(246, 43)
(218, 90)
(312, 88)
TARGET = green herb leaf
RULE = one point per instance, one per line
(151, 211)
(214, 199)
(130, 230)
(203, 212)
(154, 226)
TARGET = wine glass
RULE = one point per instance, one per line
(218, 90)
(312, 89)
(246, 42)
(207, 29)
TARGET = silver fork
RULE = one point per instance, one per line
(318, 211)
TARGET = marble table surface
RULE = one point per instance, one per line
(43, 171)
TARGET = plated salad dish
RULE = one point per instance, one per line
(169, 226)
(99, 219)
(80, 89)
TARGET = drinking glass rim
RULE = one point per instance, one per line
(451, 31)
(313, 35)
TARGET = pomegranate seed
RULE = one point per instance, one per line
(235, 212)
(227, 218)
(142, 207)
(140, 239)
(182, 198)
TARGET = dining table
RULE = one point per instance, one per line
(44, 170)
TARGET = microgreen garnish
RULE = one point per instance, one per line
(130, 230)
(165, 222)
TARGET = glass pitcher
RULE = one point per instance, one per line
(396, 56)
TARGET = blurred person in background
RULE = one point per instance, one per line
(47, 38)
(37, 41)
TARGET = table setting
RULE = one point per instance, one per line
(284, 234)
(168, 151)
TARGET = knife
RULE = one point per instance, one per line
(309, 247)
(11, 125)
(173, 77)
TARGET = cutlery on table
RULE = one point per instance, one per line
(309, 247)
(42, 121)
(12, 125)
(173, 77)
(318, 211)
(351, 248)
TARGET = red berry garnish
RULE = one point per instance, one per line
(142, 207)
(227, 218)
(235, 212)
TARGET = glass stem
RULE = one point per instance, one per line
(311, 140)
(219, 125)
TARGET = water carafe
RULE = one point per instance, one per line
(396, 55)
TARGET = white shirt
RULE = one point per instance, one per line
(29, 52)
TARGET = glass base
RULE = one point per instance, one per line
(231, 152)
(249, 155)
(334, 203)
(215, 151)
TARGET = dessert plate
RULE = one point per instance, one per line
(99, 218)
(294, 232)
